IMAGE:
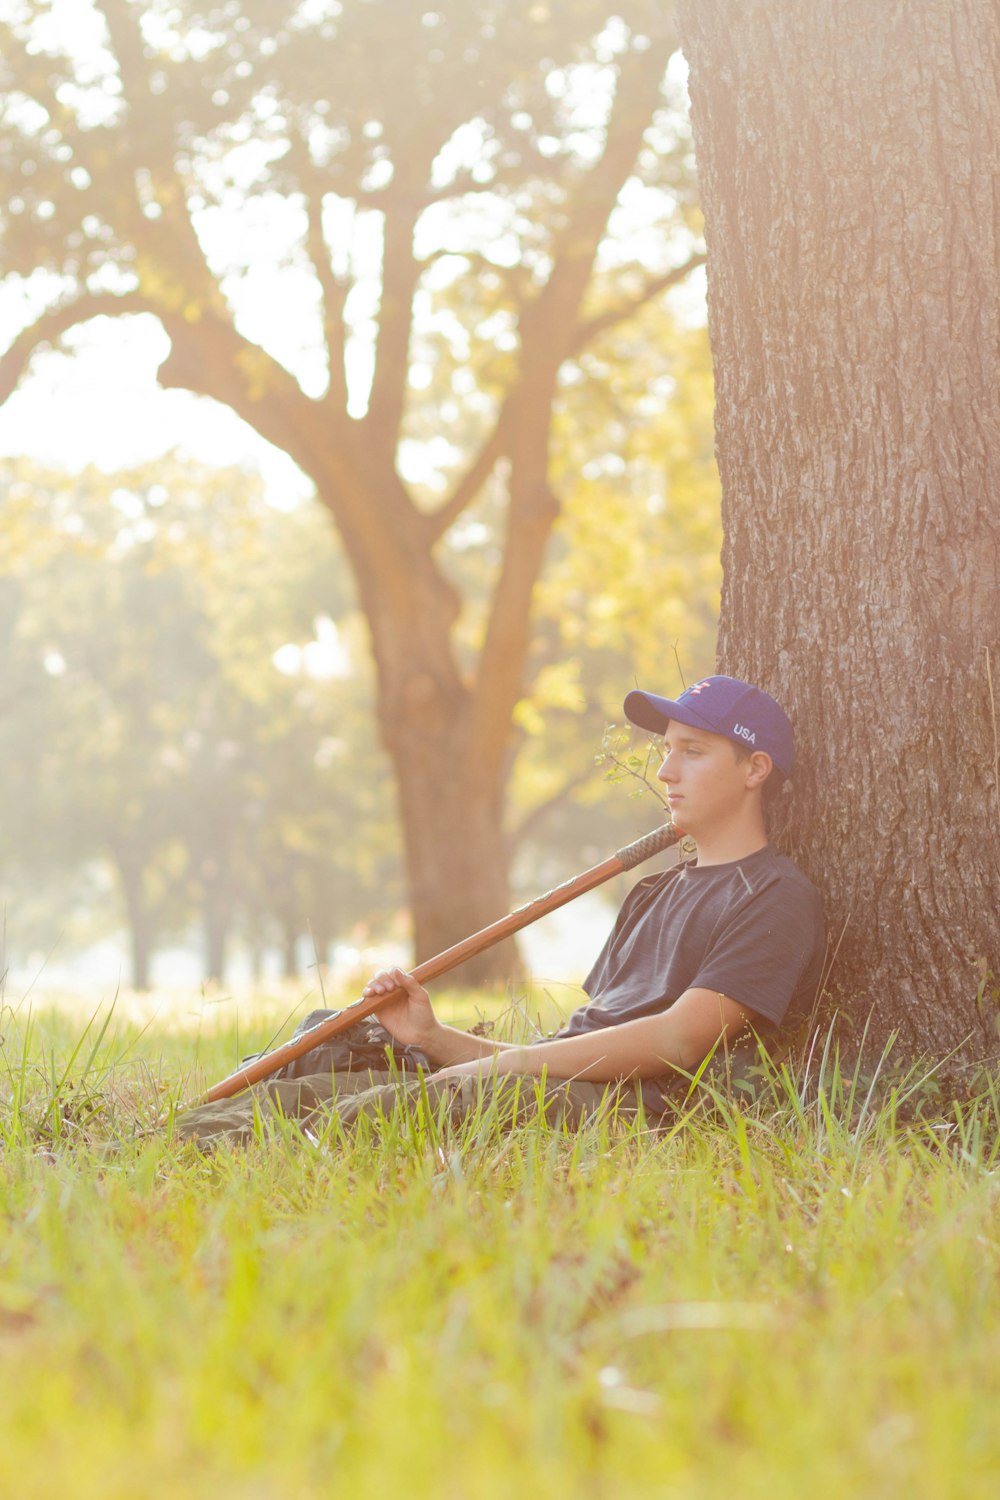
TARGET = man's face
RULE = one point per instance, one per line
(706, 783)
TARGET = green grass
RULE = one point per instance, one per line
(795, 1298)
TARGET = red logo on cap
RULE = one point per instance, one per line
(699, 686)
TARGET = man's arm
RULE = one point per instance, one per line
(412, 1021)
(681, 1037)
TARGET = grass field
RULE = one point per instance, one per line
(795, 1298)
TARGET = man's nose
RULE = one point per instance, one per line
(666, 769)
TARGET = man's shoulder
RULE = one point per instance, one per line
(767, 873)
(785, 897)
(647, 892)
(779, 869)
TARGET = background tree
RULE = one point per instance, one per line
(83, 729)
(482, 148)
(848, 158)
(145, 619)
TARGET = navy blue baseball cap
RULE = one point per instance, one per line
(722, 705)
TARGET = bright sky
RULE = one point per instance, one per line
(99, 403)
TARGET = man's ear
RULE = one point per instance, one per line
(759, 768)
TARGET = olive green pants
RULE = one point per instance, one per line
(313, 1101)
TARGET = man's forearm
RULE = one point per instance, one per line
(446, 1046)
(597, 1056)
(676, 1038)
(615, 1052)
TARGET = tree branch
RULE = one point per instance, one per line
(57, 321)
(514, 276)
(482, 465)
(333, 289)
(23, 65)
(556, 308)
(440, 520)
(594, 327)
(547, 330)
(460, 187)
(209, 357)
(400, 275)
(532, 512)
(170, 243)
(123, 28)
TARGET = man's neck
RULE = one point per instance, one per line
(725, 845)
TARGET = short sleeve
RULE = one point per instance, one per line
(763, 954)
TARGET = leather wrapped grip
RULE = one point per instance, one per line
(648, 845)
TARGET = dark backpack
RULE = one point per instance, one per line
(364, 1047)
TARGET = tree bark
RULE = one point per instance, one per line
(848, 154)
(290, 968)
(140, 923)
(456, 853)
(217, 916)
(450, 792)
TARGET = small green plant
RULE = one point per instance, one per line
(623, 763)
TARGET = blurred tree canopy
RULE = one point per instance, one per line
(475, 213)
(158, 718)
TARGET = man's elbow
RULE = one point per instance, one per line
(701, 1023)
(692, 1052)
(689, 1046)
(683, 1048)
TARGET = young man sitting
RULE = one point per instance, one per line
(698, 954)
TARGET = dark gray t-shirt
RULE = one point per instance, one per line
(752, 930)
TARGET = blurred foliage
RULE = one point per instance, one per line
(631, 595)
(148, 725)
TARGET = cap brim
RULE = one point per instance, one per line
(653, 713)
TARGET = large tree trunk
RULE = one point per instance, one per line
(848, 155)
(450, 778)
(456, 855)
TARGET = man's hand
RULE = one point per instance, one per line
(411, 1018)
(412, 1021)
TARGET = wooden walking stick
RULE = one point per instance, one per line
(625, 859)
